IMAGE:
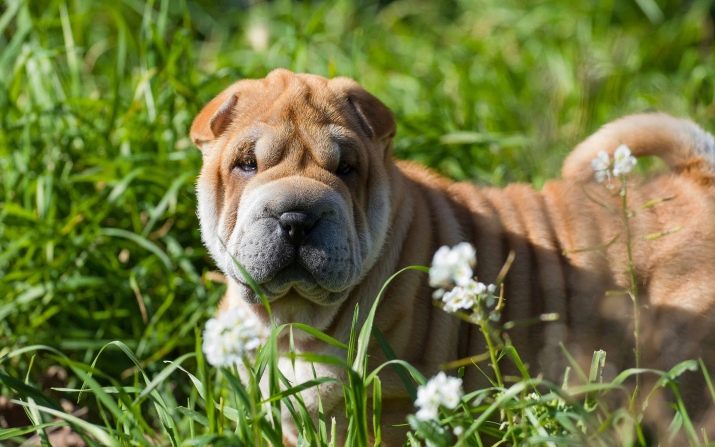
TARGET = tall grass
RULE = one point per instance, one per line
(98, 236)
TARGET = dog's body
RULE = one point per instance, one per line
(298, 185)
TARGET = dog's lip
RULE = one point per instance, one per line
(297, 273)
(290, 288)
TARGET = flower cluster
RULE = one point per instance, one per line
(451, 271)
(623, 163)
(477, 297)
(452, 266)
(231, 335)
(441, 390)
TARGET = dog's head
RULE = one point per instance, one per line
(295, 186)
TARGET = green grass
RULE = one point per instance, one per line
(99, 239)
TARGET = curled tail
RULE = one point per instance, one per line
(682, 144)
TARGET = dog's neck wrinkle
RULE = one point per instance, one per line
(408, 295)
(407, 304)
(364, 293)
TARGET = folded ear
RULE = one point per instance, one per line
(374, 117)
(215, 117)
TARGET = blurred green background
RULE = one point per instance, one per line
(98, 234)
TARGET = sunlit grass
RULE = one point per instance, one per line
(99, 238)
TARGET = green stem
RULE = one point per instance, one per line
(484, 326)
(633, 289)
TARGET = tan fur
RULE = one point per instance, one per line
(560, 235)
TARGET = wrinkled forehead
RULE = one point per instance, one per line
(285, 101)
(302, 112)
(326, 143)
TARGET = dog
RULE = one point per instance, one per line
(299, 187)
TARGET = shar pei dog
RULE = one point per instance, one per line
(299, 186)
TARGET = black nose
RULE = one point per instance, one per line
(296, 224)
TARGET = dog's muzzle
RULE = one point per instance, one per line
(310, 248)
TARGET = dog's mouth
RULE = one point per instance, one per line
(319, 267)
(293, 281)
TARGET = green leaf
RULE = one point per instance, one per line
(142, 242)
(360, 362)
(95, 431)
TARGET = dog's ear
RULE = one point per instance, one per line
(215, 117)
(374, 117)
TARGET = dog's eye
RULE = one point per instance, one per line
(247, 164)
(344, 169)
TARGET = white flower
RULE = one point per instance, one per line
(464, 297)
(452, 266)
(230, 336)
(472, 294)
(600, 165)
(458, 298)
(623, 163)
(479, 288)
(441, 390)
(458, 430)
(623, 160)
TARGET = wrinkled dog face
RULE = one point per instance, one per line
(294, 187)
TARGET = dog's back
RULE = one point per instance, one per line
(585, 252)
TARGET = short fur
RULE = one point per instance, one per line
(568, 238)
